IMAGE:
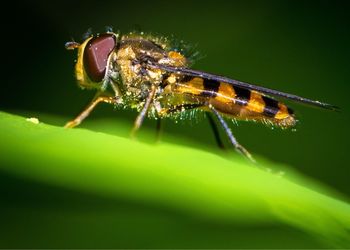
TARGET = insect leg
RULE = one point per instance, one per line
(143, 113)
(88, 109)
(215, 130)
(117, 92)
(239, 148)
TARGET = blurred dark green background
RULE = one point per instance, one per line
(293, 46)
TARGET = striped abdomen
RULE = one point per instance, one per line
(238, 102)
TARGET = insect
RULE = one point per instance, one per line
(147, 74)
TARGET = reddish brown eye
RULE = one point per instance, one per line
(96, 55)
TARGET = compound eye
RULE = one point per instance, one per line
(96, 55)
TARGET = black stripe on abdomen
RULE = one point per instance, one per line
(242, 96)
(211, 88)
(271, 106)
(187, 78)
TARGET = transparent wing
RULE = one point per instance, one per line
(191, 72)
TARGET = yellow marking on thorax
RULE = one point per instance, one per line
(175, 55)
(195, 86)
(256, 103)
(226, 93)
(172, 79)
(124, 57)
(282, 112)
(178, 59)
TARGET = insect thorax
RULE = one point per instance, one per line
(136, 79)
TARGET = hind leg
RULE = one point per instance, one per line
(239, 148)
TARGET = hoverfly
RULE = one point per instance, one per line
(147, 74)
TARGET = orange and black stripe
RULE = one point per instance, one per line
(210, 88)
(271, 106)
(242, 96)
(226, 93)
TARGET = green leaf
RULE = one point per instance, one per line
(214, 188)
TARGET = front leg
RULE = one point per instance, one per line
(117, 92)
(89, 108)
